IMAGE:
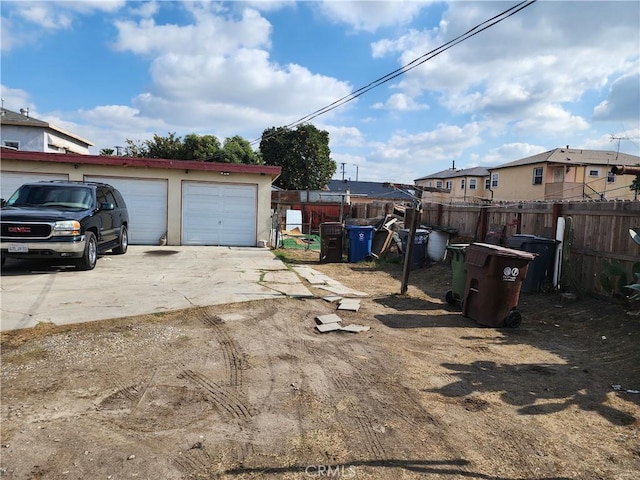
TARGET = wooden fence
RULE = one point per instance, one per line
(601, 256)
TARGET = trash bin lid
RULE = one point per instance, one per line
(457, 246)
(483, 250)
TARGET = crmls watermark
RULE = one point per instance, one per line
(331, 471)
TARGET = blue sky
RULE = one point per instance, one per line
(554, 74)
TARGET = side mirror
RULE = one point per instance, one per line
(106, 206)
(3, 202)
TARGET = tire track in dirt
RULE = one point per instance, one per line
(234, 360)
(126, 396)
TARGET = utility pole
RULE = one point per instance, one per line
(343, 164)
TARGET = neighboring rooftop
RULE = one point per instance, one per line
(453, 173)
(23, 119)
(576, 156)
(369, 189)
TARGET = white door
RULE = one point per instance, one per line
(219, 214)
(147, 204)
(10, 181)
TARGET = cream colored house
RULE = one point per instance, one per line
(194, 203)
(451, 185)
(22, 132)
(563, 174)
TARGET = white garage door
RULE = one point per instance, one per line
(219, 214)
(10, 181)
(147, 205)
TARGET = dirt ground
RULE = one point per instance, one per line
(252, 391)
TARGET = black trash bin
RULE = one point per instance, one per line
(541, 269)
(419, 252)
(492, 289)
(331, 235)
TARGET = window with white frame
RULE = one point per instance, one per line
(594, 172)
(462, 184)
(611, 177)
(537, 175)
(439, 183)
(472, 183)
(487, 183)
(494, 180)
(448, 184)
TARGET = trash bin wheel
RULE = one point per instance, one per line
(451, 300)
(513, 319)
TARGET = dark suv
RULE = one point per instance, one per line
(60, 220)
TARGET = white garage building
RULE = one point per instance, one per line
(194, 203)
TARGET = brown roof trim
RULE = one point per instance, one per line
(9, 154)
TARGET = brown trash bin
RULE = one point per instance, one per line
(331, 235)
(492, 290)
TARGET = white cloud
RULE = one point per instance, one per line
(509, 152)
(370, 16)
(15, 98)
(144, 9)
(402, 103)
(44, 16)
(623, 101)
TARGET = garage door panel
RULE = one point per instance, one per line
(10, 181)
(215, 214)
(147, 204)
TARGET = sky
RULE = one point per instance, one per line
(553, 74)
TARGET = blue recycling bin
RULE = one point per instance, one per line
(360, 238)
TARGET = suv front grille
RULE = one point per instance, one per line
(25, 231)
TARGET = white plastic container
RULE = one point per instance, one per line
(437, 245)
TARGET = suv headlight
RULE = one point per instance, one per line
(67, 228)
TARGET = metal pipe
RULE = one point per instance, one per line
(625, 170)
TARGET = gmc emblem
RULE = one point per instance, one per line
(19, 229)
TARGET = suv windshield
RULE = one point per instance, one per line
(52, 196)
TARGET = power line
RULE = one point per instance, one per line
(411, 65)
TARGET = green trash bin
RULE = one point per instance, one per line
(459, 277)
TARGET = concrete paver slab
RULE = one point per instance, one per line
(145, 280)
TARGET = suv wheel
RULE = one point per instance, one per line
(124, 242)
(90, 255)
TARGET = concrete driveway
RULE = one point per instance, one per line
(145, 280)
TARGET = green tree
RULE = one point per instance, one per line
(165, 147)
(238, 150)
(106, 151)
(303, 154)
(201, 147)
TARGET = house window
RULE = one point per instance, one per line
(448, 184)
(439, 183)
(611, 178)
(462, 184)
(537, 176)
(12, 144)
(472, 184)
(494, 180)
(487, 184)
(429, 183)
(594, 172)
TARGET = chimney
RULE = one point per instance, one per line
(25, 112)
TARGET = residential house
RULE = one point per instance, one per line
(23, 132)
(563, 174)
(451, 185)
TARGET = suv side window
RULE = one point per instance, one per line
(119, 199)
(101, 196)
